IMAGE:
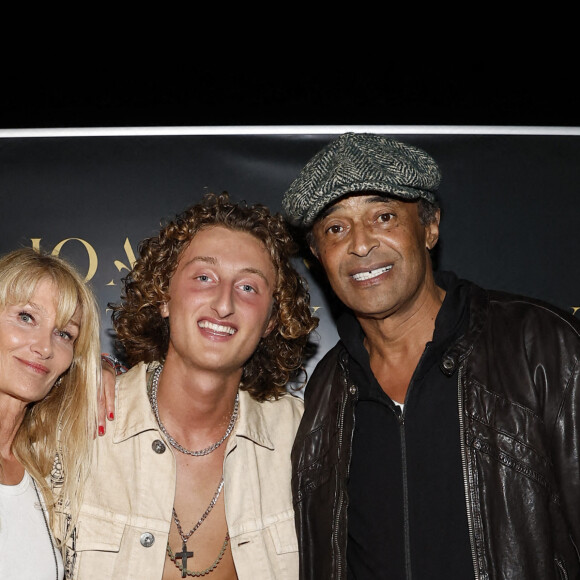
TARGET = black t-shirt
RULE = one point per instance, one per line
(407, 513)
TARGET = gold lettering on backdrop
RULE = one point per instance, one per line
(130, 256)
(92, 255)
(93, 260)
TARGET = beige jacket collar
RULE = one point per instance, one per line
(134, 414)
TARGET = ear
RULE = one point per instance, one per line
(314, 251)
(164, 310)
(432, 232)
(270, 326)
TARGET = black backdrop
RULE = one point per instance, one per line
(509, 197)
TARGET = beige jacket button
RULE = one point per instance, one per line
(158, 446)
(147, 539)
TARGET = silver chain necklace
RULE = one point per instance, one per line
(186, 537)
(46, 525)
(185, 554)
(174, 443)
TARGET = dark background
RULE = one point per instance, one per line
(448, 91)
(509, 200)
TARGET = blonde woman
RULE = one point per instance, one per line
(49, 377)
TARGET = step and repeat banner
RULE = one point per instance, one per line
(510, 199)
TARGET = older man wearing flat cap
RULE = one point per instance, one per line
(441, 436)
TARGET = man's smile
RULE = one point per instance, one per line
(367, 275)
(216, 327)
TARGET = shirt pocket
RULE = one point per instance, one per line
(283, 535)
(270, 553)
(94, 533)
(508, 433)
(317, 463)
(93, 548)
(112, 546)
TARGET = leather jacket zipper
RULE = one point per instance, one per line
(465, 474)
(340, 503)
(561, 569)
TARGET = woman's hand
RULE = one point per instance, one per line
(106, 401)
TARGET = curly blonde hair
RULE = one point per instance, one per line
(144, 335)
(58, 431)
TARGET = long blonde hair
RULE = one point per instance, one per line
(55, 440)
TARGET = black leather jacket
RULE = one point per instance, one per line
(518, 379)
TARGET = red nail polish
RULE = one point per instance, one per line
(111, 416)
(101, 430)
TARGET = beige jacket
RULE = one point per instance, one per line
(125, 517)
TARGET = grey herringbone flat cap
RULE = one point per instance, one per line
(356, 162)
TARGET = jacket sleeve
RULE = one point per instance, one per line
(553, 347)
(566, 444)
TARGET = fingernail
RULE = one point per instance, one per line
(101, 430)
(111, 416)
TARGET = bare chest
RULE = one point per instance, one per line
(198, 537)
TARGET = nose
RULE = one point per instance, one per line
(42, 345)
(223, 303)
(362, 240)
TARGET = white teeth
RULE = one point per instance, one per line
(371, 274)
(216, 327)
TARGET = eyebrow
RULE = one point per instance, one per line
(32, 306)
(213, 261)
(39, 308)
(369, 200)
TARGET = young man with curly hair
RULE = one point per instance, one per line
(193, 476)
